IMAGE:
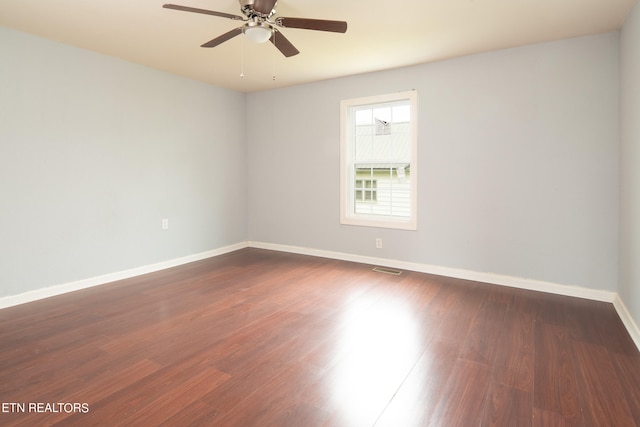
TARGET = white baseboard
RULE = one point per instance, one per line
(628, 321)
(50, 291)
(492, 278)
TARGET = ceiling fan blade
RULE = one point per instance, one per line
(264, 6)
(283, 45)
(313, 24)
(223, 38)
(206, 12)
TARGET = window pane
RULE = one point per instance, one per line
(383, 114)
(363, 117)
(401, 113)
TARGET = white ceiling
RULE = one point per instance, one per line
(381, 34)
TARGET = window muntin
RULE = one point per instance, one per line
(378, 146)
(366, 190)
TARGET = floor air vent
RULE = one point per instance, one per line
(387, 270)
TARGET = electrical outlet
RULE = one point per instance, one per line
(165, 224)
(378, 243)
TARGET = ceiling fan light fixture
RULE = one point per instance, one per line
(258, 32)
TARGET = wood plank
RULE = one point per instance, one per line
(415, 401)
(602, 396)
(508, 406)
(484, 335)
(546, 418)
(514, 362)
(464, 396)
(555, 384)
(628, 373)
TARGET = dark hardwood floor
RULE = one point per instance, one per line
(260, 338)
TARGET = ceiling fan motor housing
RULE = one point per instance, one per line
(248, 8)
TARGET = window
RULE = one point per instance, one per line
(378, 161)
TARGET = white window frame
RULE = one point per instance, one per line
(348, 216)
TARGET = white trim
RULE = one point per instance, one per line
(627, 320)
(491, 278)
(54, 290)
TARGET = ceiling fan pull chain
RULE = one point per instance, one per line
(242, 58)
(274, 71)
(273, 58)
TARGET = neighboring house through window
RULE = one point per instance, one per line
(378, 161)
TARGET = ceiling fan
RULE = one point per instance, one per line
(260, 25)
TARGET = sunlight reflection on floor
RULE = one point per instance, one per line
(380, 343)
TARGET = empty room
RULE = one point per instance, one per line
(302, 213)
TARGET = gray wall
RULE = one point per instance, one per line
(95, 152)
(629, 287)
(518, 158)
